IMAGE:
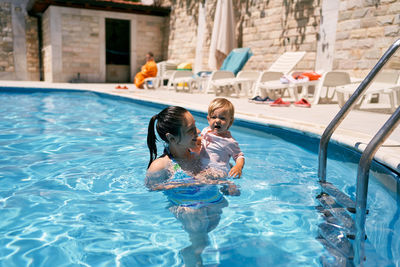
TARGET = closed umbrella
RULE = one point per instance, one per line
(223, 34)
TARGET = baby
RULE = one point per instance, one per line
(218, 145)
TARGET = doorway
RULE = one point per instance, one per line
(117, 51)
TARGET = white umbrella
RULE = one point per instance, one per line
(223, 35)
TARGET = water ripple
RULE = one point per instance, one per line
(72, 192)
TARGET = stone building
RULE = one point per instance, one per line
(106, 40)
(78, 41)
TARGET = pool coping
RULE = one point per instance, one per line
(388, 154)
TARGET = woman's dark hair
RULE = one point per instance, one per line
(169, 120)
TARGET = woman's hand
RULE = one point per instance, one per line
(211, 174)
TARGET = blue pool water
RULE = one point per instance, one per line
(72, 168)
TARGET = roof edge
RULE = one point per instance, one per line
(37, 7)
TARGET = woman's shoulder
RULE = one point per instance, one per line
(159, 164)
(158, 172)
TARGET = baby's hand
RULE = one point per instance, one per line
(235, 172)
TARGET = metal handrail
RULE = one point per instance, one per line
(323, 145)
(362, 182)
(367, 155)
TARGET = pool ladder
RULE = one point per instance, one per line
(359, 207)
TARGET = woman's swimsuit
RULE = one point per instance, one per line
(194, 196)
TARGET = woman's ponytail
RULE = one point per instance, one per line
(151, 140)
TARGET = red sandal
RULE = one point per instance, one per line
(302, 103)
(279, 103)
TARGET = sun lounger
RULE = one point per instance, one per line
(282, 66)
(384, 84)
(277, 88)
(329, 80)
(221, 82)
(220, 79)
(224, 83)
(236, 60)
(182, 80)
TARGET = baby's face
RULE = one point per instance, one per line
(219, 121)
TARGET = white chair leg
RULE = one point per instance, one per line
(392, 96)
(293, 93)
(257, 90)
(397, 94)
(237, 89)
(340, 97)
(170, 86)
(209, 88)
(317, 93)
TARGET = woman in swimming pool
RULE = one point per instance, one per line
(192, 190)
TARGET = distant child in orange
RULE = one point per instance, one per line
(148, 70)
(218, 145)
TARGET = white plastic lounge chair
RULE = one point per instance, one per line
(223, 83)
(220, 81)
(234, 62)
(182, 80)
(287, 61)
(385, 83)
(269, 78)
(246, 79)
(283, 65)
(164, 71)
(330, 79)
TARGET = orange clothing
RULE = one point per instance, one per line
(148, 70)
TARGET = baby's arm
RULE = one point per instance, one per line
(238, 156)
(236, 171)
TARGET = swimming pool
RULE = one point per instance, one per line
(72, 167)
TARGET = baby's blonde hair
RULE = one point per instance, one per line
(222, 103)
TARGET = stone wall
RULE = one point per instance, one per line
(269, 28)
(19, 58)
(182, 28)
(6, 41)
(32, 49)
(152, 35)
(366, 29)
(80, 47)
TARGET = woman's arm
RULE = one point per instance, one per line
(157, 173)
